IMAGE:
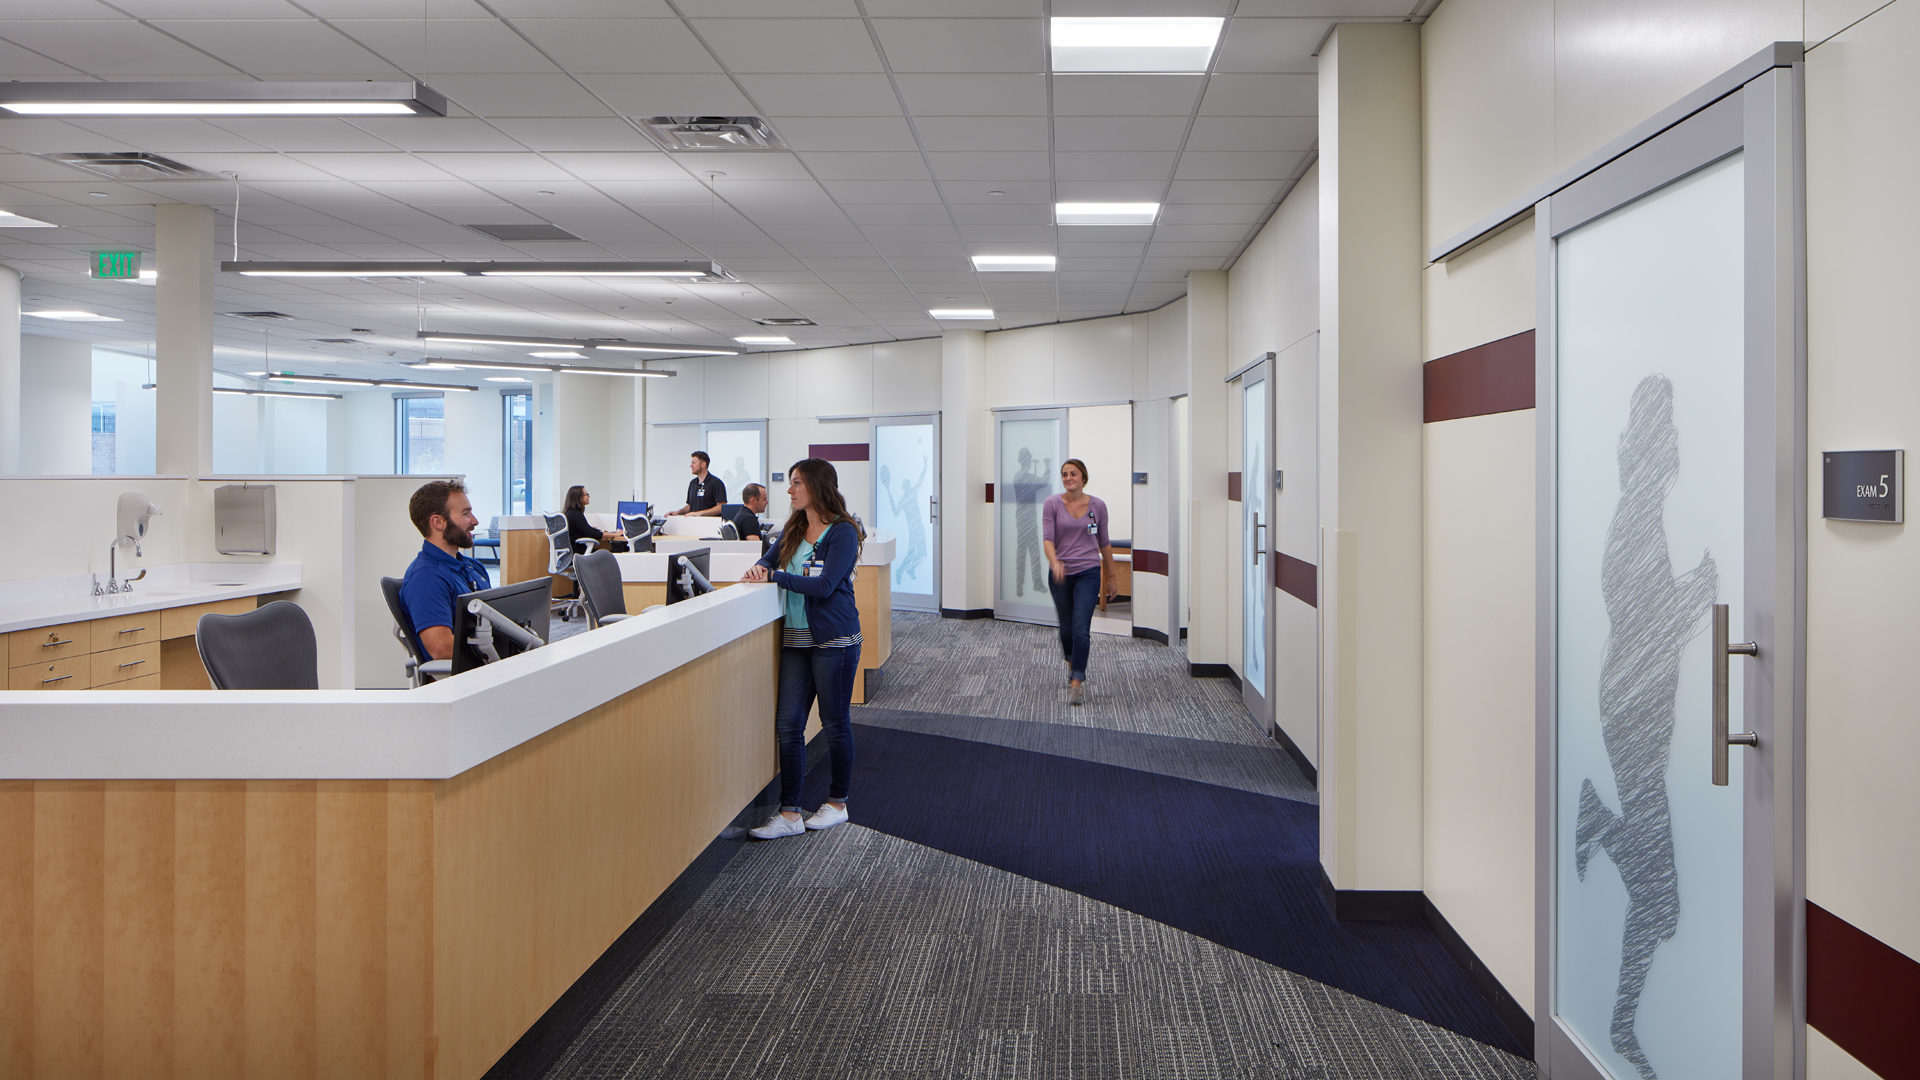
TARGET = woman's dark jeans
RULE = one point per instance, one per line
(807, 675)
(1074, 600)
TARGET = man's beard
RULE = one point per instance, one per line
(457, 536)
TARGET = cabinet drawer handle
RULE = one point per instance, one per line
(51, 644)
(44, 682)
(133, 630)
(133, 663)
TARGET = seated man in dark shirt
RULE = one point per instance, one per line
(706, 493)
(746, 521)
(443, 514)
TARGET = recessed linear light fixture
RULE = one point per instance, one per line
(342, 380)
(551, 354)
(1109, 44)
(273, 393)
(11, 220)
(764, 339)
(505, 378)
(677, 269)
(1105, 213)
(443, 363)
(663, 348)
(221, 99)
(1030, 263)
(72, 316)
(961, 313)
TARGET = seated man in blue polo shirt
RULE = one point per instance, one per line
(443, 514)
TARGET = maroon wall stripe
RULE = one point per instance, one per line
(838, 451)
(1862, 993)
(1149, 562)
(1297, 578)
(1233, 487)
(1493, 378)
(989, 492)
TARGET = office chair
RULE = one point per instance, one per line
(560, 563)
(728, 531)
(600, 586)
(421, 669)
(638, 531)
(269, 648)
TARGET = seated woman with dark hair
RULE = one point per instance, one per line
(579, 528)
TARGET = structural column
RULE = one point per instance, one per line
(183, 339)
(966, 468)
(1207, 460)
(9, 371)
(1370, 458)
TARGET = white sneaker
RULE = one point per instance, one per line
(1077, 695)
(777, 826)
(827, 816)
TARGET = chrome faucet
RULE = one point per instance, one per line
(114, 585)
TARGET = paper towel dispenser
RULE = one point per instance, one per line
(243, 517)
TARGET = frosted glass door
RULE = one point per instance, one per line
(1032, 446)
(1649, 534)
(739, 455)
(1256, 529)
(906, 490)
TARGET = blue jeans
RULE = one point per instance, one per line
(1073, 601)
(807, 675)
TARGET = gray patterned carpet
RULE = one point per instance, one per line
(849, 954)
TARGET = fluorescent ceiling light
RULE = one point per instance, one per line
(629, 372)
(683, 269)
(561, 355)
(664, 348)
(477, 365)
(272, 393)
(1014, 262)
(11, 220)
(71, 316)
(961, 313)
(342, 380)
(221, 99)
(1133, 44)
(1105, 213)
(505, 378)
(764, 339)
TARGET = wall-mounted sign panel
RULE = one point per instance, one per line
(116, 265)
(1863, 485)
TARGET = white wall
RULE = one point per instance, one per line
(1102, 436)
(56, 418)
(80, 516)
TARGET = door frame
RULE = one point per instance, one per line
(1044, 617)
(1763, 118)
(933, 506)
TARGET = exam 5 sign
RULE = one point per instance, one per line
(1863, 485)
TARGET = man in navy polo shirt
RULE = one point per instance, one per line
(443, 514)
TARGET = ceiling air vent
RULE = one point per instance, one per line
(517, 234)
(710, 132)
(263, 316)
(131, 165)
(786, 320)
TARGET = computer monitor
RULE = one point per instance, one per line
(633, 508)
(527, 603)
(700, 558)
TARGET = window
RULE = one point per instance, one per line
(419, 442)
(103, 438)
(516, 439)
(739, 451)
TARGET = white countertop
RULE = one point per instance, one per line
(437, 731)
(25, 605)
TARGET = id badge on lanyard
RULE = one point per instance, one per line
(1093, 526)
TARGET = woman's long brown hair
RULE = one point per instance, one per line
(574, 493)
(823, 491)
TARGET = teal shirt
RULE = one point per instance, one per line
(796, 602)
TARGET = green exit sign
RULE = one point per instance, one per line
(116, 264)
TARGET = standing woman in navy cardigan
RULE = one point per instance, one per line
(819, 643)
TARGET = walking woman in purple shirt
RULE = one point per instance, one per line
(1074, 526)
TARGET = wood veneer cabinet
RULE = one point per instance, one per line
(144, 650)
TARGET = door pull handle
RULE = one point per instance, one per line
(1722, 738)
(1259, 529)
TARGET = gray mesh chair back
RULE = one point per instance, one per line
(403, 629)
(562, 561)
(600, 586)
(638, 531)
(728, 531)
(269, 648)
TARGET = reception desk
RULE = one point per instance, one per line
(355, 884)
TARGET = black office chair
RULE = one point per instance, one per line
(269, 648)
(728, 531)
(561, 557)
(600, 586)
(638, 531)
(421, 669)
